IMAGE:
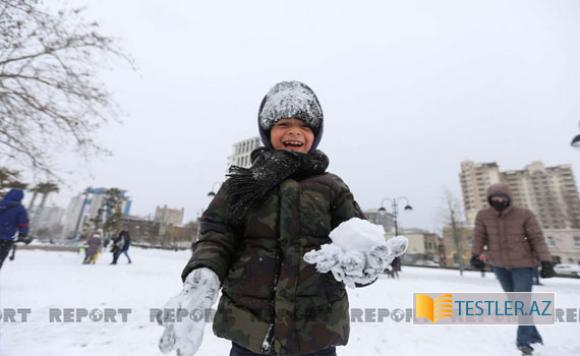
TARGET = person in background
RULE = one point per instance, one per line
(121, 246)
(395, 268)
(515, 248)
(94, 244)
(13, 221)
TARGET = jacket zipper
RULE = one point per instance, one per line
(267, 343)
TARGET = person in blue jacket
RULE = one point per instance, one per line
(13, 221)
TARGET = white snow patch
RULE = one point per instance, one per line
(40, 280)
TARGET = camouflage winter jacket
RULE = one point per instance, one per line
(270, 296)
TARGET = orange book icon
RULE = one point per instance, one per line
(433, 309)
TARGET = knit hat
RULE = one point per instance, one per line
(290, 100)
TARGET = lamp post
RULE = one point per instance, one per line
(576, 141)
(395, 209)
(214, 190)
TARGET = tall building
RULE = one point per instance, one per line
(564, 245)
(475, 179)
(168, 216)
(242, 151)
(550, 192)
(46, 217)
(86, 206)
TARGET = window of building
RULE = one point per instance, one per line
(577, 241)
(551, 241)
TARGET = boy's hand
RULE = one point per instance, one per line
(326, 258)
(356, 267)
(184, 315)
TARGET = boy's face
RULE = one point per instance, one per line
(291, 135)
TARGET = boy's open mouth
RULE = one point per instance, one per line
(292, 143)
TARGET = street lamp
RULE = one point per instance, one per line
(213, 191)
(576, 141)
(395, 208)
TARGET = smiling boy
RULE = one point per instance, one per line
(292, 135)
(253, 238)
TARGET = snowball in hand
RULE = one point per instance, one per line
(325, 258)
(398, 245)
(358, 234)
(358, 252)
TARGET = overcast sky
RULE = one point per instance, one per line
(409, 89)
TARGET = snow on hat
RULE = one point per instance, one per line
(291, 99)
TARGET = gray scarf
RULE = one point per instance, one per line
(246, 186)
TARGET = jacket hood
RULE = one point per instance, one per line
(14, 195)
(499, 188)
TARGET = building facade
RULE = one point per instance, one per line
(242, 152)
(153, 233)
(384, 219)
(475, 178)
(423, 246)
(564, 245)
(550, 192)
(85, 206)
(45, 218)
(169, 216)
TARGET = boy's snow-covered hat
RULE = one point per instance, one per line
(291, 99)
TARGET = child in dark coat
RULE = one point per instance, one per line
(255, 234)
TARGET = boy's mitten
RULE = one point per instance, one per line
(184, 315)
(358, 252)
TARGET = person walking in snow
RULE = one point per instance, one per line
(93, 247)
(264, 239)
(13, 221)
(515, 247)
(395, 268)
(121, 246)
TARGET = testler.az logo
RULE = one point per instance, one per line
(484, 308)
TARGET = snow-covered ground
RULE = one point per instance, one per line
(42, 280)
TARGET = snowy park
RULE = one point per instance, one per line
(41, 281)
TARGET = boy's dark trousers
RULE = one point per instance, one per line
(237, 350)
(5, 246)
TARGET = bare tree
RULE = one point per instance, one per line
(50, 96)
(452, 219)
